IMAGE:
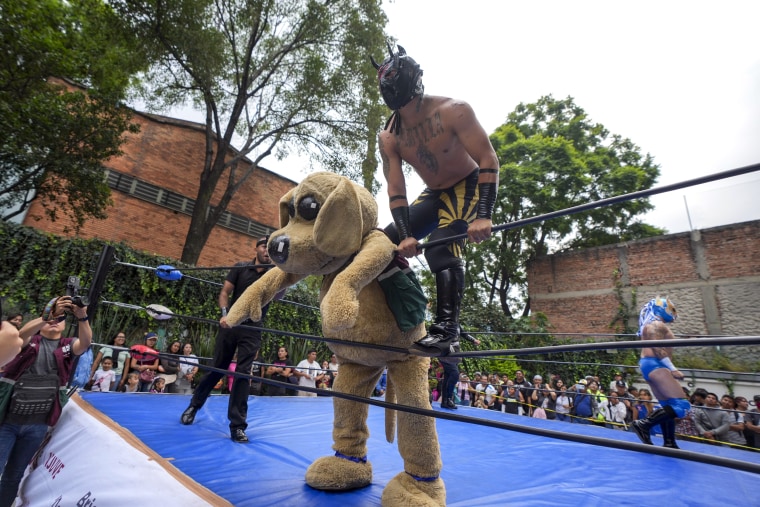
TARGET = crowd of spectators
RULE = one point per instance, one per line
(727, 420)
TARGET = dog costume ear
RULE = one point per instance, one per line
(284, 207)
(339, 227)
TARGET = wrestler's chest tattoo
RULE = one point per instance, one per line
(427, 158)
(422, 134)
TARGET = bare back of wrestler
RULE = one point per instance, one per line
(664, 382)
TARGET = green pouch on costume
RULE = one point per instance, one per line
(403, 293)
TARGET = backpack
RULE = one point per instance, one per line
(81, 374)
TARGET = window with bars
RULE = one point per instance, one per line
(174, 201)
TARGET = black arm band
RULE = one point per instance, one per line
(487, 200)
(401, 219)
(467, 336)
(397, 198)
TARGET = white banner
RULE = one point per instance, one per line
(90, 461)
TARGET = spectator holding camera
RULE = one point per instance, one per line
(32, 402)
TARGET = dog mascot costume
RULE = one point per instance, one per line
(329, 228)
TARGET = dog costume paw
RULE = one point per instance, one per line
(331, 473)
(339, 311)
(406, 491)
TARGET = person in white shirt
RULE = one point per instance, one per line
(104, 378)
(309, 373)
(488, 390)
(333, 365)
(614, 412)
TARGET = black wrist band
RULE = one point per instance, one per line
(486, 201)
(85, 318)
(401, 219)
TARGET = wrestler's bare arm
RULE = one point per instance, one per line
(473, 138)
(475, 142)
(394, 175)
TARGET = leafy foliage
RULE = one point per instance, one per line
(553, 158)
(284, 76)
(37, 267)
(54, 137)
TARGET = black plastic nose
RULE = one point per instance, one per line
(278, 249)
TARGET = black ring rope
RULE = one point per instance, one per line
(605, 442)
(602, 202)
(571, 347)
(129, 264)
(679, 453)
(693, 342)
(541, 432)
(589, 335)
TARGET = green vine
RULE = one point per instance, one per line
(625, 310)
(36, 267)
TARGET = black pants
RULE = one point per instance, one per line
(247, 342)
(440, 214)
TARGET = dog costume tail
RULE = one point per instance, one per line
(390, 415)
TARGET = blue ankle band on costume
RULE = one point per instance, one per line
(351, 458)
(423, 479)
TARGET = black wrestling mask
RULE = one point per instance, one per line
(400, 79)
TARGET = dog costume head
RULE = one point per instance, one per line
(323, 221)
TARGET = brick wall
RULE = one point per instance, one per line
(712, 275)
(169, 153)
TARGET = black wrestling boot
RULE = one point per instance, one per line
(448, 403)
(669, 433)
(444, 333)
(188, 416)
(659, 416)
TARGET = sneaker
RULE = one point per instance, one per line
(448, 404)
(188, 416)
(239, 436)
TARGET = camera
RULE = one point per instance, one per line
(72, 290)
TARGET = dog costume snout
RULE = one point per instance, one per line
(278, 249)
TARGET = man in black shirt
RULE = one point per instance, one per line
(242, 338)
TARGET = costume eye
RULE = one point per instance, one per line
(308, 208)
(291, 209)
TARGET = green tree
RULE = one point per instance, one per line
(554, 157)
(55, 134)
(274, 76)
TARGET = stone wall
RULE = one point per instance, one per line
(713, 276)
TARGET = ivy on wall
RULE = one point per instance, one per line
(36, 267)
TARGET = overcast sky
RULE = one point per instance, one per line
(681, 79)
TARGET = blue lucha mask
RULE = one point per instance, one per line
(657, 309)
(664, 309)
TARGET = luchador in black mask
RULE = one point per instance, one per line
(400, 79)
